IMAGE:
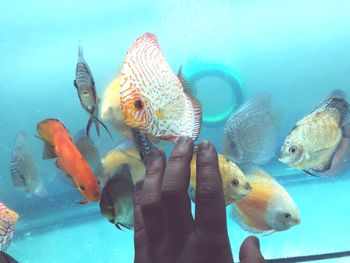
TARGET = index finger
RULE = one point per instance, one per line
(210, 203)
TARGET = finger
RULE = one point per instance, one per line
(151, 206)
(140, 238)
(176, 203)
(250, 251)
(210, 203)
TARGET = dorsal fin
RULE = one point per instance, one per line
(185, 84)
(338, 104)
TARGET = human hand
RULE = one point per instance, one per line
(165, 231)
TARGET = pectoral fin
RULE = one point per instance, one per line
(49, 152)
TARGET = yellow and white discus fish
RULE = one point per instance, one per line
(268, 207)
(315, 139)
(153, 99)
(235, 184)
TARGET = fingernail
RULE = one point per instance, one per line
(203, 146)
(184, 140)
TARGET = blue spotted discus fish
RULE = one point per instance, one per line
(153, 99)
(250, 135)
(85, 85)
(314, 141)
(8, 220)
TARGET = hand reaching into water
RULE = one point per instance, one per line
(165, 231)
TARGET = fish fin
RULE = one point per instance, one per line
(338, 104)
(174, 110)
(88, 126)
(59, 165)
(127, 227)
(346, 130)
(75, 84)
(80, 51)
(117, 225)
(309, 173)
(337, 93)
(48, 152)
(188, 88)
(269, 233)
(327, 164)
(105, 127)
(83, 202)
(197, 110)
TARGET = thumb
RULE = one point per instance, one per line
(250, 251)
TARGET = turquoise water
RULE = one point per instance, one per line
(298, 51)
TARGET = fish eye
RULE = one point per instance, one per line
(287, 215)
(138, 104)
(82, 187)
(235, 182)
(292, 149)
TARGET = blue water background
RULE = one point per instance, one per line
(296, 50)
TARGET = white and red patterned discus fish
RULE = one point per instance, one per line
(8, 220)
(153, 99)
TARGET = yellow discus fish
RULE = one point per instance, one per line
(314, 140)
(235, 183)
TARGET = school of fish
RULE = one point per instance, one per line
(145, 103)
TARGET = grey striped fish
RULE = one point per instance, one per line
(24, 173)
(250, 135)
(85, 85)
(153, 99)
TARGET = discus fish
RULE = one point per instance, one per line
(8, 220)
(117, 203)
(58, 143)
(153, 99)
(24, 172)
(315, 139)
(268, 207)
(85, 85)
(123, 154)
(250, 135)
(235, 183)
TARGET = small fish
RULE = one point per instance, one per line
(8, 220)
(250, 135)
(85, 85)
(268, 207)
(235, 183)
(24, 172)
(117, 203)
(313, 142)
(125, 153)
(58, 144)
(153, 99)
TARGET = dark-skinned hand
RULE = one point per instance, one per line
(165, 231)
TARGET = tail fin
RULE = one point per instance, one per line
(96, 121)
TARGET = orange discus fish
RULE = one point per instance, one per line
(268, 207)
(8, 220)
(58, 143)
(153, 99)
